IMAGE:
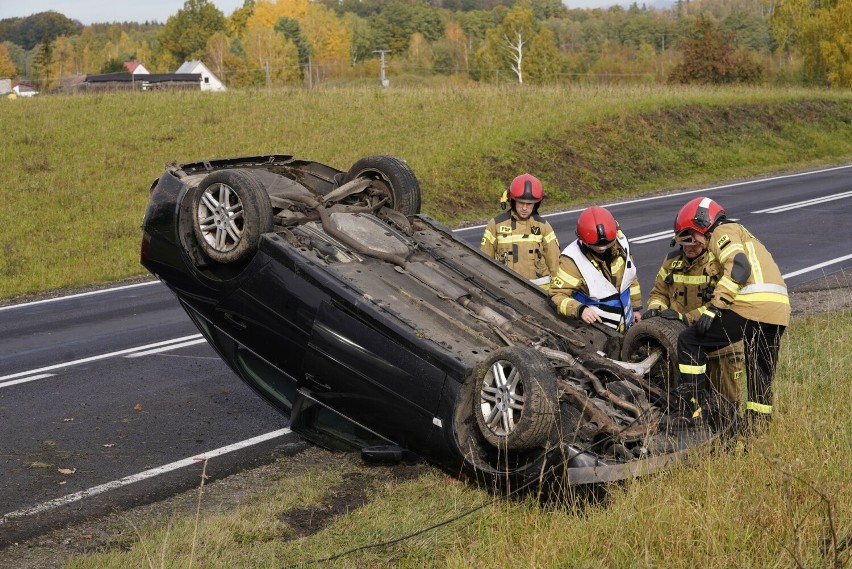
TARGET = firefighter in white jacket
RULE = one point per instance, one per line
(596, 280)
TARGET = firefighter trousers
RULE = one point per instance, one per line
(761, 344)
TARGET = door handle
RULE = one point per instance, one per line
(235, 320)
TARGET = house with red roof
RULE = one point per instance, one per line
(135, 68)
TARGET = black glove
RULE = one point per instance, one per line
(706, 319)
(651, 312)
(670, 314)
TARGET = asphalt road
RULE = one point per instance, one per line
(111, 399)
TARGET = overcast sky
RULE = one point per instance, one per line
(99, 11)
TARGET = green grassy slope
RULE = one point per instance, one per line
(77, 169)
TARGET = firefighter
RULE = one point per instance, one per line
(596, 280)
(521, 239)
(684, 284)
(749, 303)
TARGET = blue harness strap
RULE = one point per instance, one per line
(617, 305)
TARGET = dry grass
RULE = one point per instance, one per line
(782, 500)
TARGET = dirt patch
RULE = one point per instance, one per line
(117, 531)
(346, 497)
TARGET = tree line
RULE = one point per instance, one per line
(273, 43)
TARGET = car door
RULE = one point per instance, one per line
(368, 372)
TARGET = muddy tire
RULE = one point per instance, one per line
(391, 176)
(650, 334)
(515, 401)
(231, 210)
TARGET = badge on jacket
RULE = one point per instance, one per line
(535, 230)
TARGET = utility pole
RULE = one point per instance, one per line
(382, 81)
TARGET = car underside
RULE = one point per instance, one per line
(370, 324)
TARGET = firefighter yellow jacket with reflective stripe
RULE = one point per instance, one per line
(527, 246)
(569, 279)
(762, 296)
(685, 286)
(682, 285)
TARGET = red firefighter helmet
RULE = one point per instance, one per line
(700, 214)
(596, 226)
(526, 187)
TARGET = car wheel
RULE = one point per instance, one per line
(516, 404)
(394, 177)
(652, 334)
(231, 210)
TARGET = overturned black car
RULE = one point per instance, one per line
(372, 326)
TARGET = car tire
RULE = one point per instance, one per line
(515, 399)
(230, 211)
(391, 175)
(650, 334)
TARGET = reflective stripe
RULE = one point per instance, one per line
(550, 237)
(764, 287)
(563, 306)
(657, 304)
(694, 370)
(697, 412)
(756, 271)
(736, 248)
(730, 285)
(541, 281)
(567, 279)
(661, 274)
(695, 280)
(519, 238)
(617, 265)
(488, 236)
(764, 297)
(758, 408)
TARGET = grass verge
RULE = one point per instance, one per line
(783, 500)
(78, 167)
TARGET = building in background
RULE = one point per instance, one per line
(136, 68)
(209, 82)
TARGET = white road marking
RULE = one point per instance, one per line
(78, 295)
(805, 203)
(652, 237)
(98, 357)
(127, 480)
(165, 349)
(686, 193)
(817, 266)
(25, 380)
(659, 235)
